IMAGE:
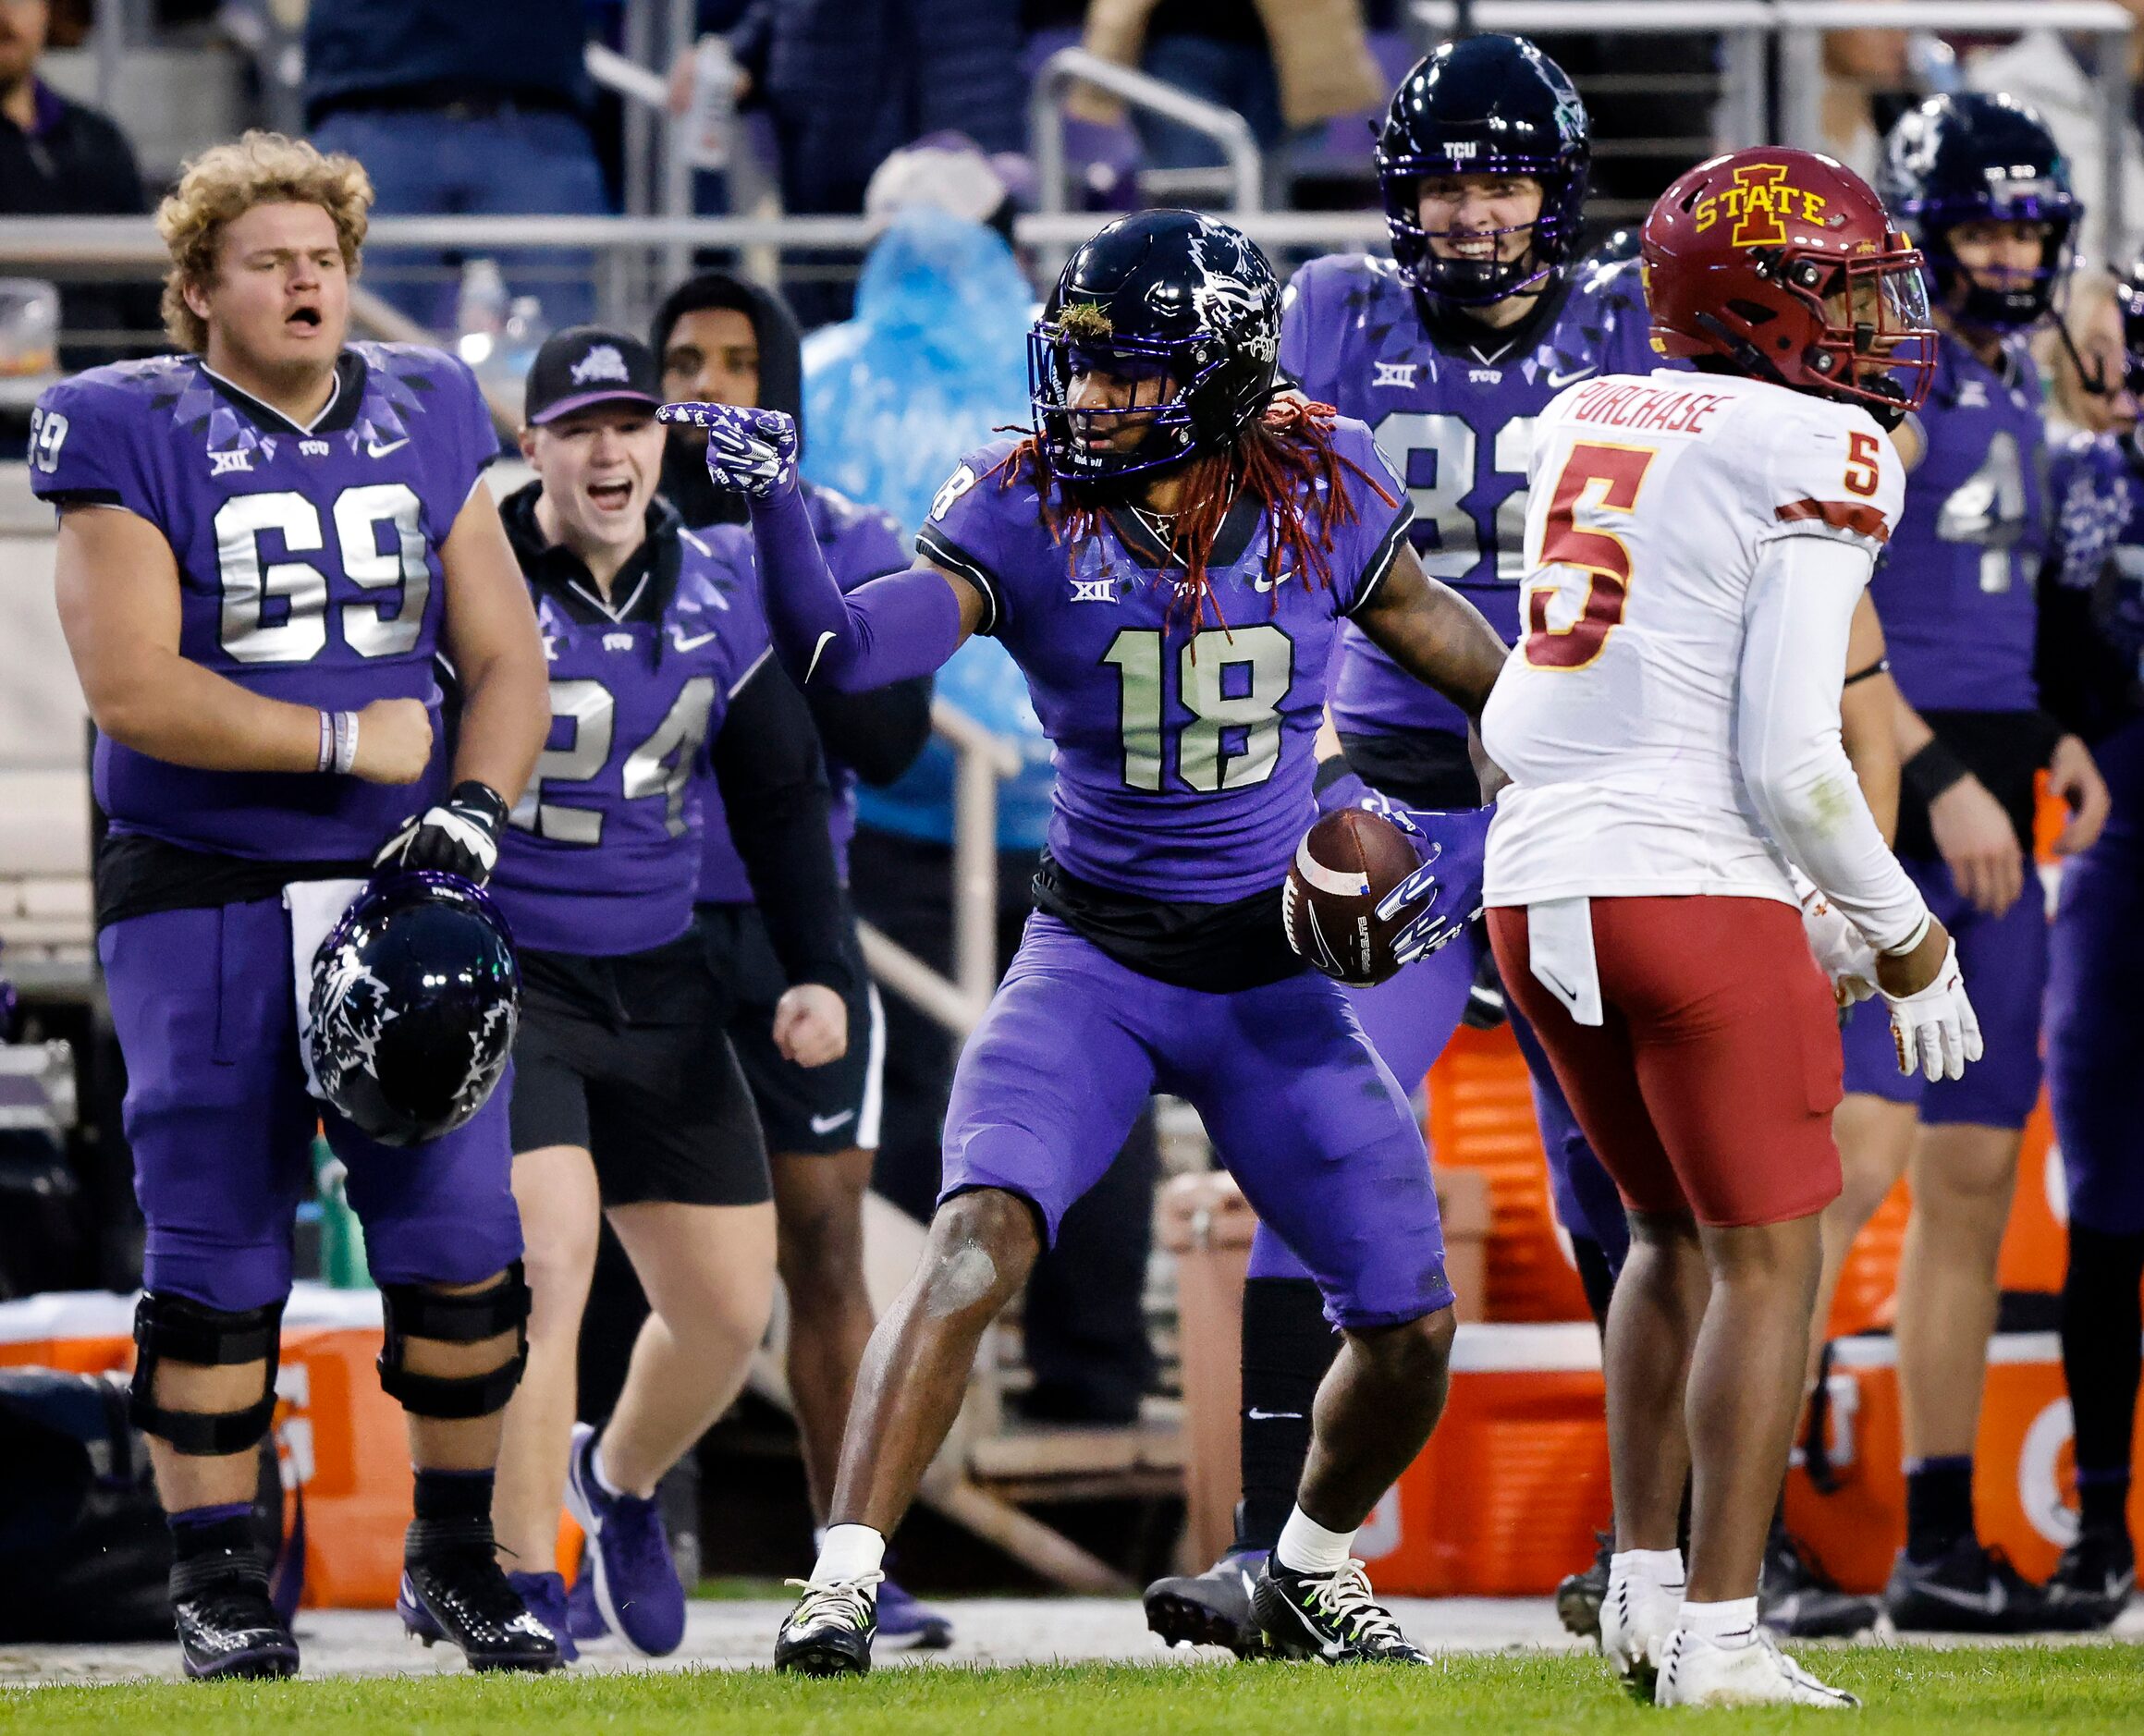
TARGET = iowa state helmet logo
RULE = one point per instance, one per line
(1760, 204)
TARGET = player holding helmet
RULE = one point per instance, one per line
(1976, 182)
(262, 543)
(1696, 546)
(1169, 558)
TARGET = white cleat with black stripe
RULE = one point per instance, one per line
(1695, 1671)
(1636, 1619)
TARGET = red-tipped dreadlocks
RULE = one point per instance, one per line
(1282, 459)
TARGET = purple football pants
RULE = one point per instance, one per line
(221, 1124)
(1409, 1019)
(1299, 1109)
(2004, 962)
(2095, 1006)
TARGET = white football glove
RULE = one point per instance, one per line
(750, 452)
(1847, 956)
(1935, 1028)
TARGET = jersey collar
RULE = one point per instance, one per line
(1488, 346)
(336, 414)
(643, 588)
(1237, 527)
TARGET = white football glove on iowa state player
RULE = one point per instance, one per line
(1935, 1027)
(1840, 949)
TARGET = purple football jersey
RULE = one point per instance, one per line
(1184, 760)
(860, 542)
(307, 567)
(1457, 423)
(604, 850)
(1955, 589)
(2097, 495)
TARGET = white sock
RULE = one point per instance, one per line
(849, 1552)
(603, 1480)
(1306, 1546)
(1658, 1568)
(1730, 1625)
(818, 1538)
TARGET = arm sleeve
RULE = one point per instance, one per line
(1794, 660)
(890, 630)
(774, 791)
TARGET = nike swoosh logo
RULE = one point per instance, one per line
(1992, 1602)
(1257, 1415)
(815, 651)
(373, 449)
(827, 1123)
(1556, 380)
(680, 643)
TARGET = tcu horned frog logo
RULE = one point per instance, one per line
(1760, 204)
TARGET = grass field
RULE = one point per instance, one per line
(2080, 1688)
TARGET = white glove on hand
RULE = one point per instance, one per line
(1846, 958)
(1935, 1028)
(751, 452)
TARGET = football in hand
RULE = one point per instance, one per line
(1344, 866)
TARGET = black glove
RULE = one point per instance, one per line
(460, 837)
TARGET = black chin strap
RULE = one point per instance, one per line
(2094, 378)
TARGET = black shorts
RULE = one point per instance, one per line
(809, 1110)
(625, 1058)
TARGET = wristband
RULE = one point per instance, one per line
(326, 761)
(1911, 941)
(1881, 667)
(346, 741)
(1933, 770)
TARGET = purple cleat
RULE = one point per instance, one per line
(907, 1622)
(583, 1619)
(628, 1555)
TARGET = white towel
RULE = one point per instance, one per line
(1559, 953)
(315, 907)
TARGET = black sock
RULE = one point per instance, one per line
(1287, 1346)
(2102, 1325)
(1591, 1259)
(201, 1532)
(1939, 1505)
(453, 1512)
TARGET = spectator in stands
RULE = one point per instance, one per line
(848, 81)
(58, 158)
(2057, 73)
(464, 106)
(1280, 64)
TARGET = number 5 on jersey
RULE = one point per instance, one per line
(1599, 556)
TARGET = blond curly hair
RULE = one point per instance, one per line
(228, 181)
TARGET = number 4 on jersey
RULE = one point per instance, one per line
(1599, 554)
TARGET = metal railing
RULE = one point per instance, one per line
(1746, 112)
(1069, 66)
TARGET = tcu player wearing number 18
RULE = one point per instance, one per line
(1976, 182)
(1169, 560)
(262, 543)
(628, 1098)
(1697, 546)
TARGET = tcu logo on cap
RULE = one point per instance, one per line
(602, 362)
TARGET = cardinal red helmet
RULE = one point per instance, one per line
(1783, 264)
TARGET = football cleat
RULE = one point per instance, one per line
(1970, 1589)
(2095, 1577)
(628, 1555)
(1797, 1600)
(583, 1619)
(1636, 1619)
(1579, 1596)
(1695, 1671)
(829, 1632)
(901, 1617)
(1212, 1608)
(453, 1589)
(1329, 1617)
(228, 1625)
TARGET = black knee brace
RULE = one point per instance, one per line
(183, 1331)
(417, 1311)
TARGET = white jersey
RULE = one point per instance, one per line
(1653, 501)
